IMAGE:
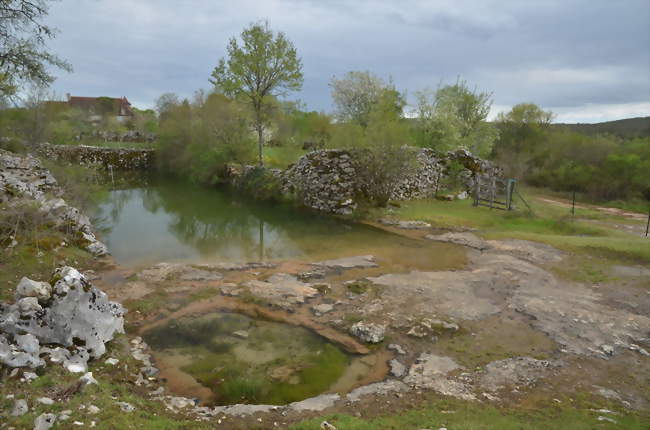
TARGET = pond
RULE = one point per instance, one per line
(175, 221)
(224, 358)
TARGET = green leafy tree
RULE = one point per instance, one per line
(454, 116)
(198, 139)
(523, 132)
(357, 94)
(24, 57)
(264, 65)
(375, 131)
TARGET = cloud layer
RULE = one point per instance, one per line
(588, 60)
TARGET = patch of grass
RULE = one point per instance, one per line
(150, 303)
(280, 157)
(459, 415)
(111, 389)
(547, 224)
(359, 286)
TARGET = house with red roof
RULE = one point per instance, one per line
(120, 107)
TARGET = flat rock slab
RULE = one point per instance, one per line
(431, 371)
(450, 293)
(518, 371)
(282, 289)
(200, 275)
(406, 225)
(464, 239)
(383, 388)
(195, 272)
(318, 403)
(631, 271)
(533, 252)
(359, 261)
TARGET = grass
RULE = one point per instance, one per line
(458, 415)
(590, 239)
(280, 157)
(548, 224)
(111, 389)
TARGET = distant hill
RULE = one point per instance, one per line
(627, 128)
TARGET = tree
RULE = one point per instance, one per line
(358, 93)
(454, 116)
(373, 128)
(522, 134)
(23, 53)
(265, 65)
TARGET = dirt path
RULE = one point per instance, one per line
(610, 211)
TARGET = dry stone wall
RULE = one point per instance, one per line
(323, 180)
(326, 180)
(117, 158)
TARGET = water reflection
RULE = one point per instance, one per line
(170, 220)
(175, 221)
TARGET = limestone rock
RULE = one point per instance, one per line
(317, 403)
(282, 290)
(77, 313)
(359, 261)
(368, 332)
(20, 408)
(397, 348)
(397, 369)
(465, 239)
(126, 407)
(386, 387)
(28, 305)
(519, 371)
(44, 422)
(28, 288)
(323, 308)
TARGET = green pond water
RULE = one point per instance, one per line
(244, 360)
(176, 221)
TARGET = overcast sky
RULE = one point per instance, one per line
(588, 61)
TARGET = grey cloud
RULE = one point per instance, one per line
(142, 49)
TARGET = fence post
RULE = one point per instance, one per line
(647, 226)
(573, 205)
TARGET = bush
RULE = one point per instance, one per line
(261, 184)
(198, 140)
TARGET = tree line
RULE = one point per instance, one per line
(245, 114)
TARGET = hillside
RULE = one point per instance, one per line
(629, 127)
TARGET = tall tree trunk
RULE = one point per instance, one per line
(260, 142)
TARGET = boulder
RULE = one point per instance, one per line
(28, 288)
(77, 314)
(368, 332)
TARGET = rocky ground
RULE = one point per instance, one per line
(501, 330)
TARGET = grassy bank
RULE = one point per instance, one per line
(592, 238)
(438, 413)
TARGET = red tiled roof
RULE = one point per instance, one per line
(120, 106)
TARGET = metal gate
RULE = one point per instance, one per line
(494, 193)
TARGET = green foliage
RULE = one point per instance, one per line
(522, 132)
(23, 53)
(454, 117)
(358, 94)
(197, 140)
(261, 184)
(266, 64)
(601, 167)
(375, 132)
(297, 128)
